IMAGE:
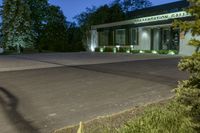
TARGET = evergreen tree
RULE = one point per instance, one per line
(17, 26)
(54, 35)
(188, 91)
(39, 13)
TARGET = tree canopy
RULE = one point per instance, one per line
(188, 91)
(17, 25)
(40, 25)
(116, 11)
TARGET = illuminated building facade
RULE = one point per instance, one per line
(146, 29)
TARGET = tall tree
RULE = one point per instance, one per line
(74, 37)
(54, 34)
(94, 16)
(17, 25)
(131, 5)
(188, 91)
(39, 12)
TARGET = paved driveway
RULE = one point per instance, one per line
(43, 92)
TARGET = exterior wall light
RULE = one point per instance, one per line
(141, 52)
(128, 51)
(132, 47)
(92, 49)
(154, 52)
(114, 50)
(171, 52)
(118, 46)
(101, 50)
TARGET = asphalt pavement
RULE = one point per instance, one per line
(43, 92)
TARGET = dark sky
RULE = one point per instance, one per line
(74, 7)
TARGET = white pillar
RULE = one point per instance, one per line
(94, 40)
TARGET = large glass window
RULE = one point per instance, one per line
(120, 37)
(103, 38)
(169, 39)
(175, 39)
(134, 36)
(166, 38)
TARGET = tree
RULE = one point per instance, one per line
(17, 26)
(39, 12)
(84, 21)
(74, 37)
(188, 91)
(95, 16)
(131, 5)
(54, 34)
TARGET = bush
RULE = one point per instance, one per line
(148, 51)
(175, 51)
(123, 49)
(108, 49)
(97, 49)
(135, 51)
(163, 51)
(172, 118)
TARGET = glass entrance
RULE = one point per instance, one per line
(165, 38)
(120, 37)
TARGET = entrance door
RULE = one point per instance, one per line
(175, 40)
(120, 37)
(166, 39)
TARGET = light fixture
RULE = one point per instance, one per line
(128, 51)
(92, 49)
(154, 52)
(171, 52)
(118, 46)
(141, 52)
(101, 50)
(114, 50)
(132, 47)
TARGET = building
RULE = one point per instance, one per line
(147, 29)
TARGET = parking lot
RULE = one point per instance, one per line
(43, 92)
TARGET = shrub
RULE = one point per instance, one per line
(172, 118)
(174, 51)
(135, 51)
(123, 49)
(97, 49)
(148, 51)
(163, 51)
(108, 49)
(188, 91)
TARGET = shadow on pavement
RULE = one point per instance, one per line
(10, 104)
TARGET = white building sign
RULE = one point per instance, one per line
(156, 18)
(162, 17)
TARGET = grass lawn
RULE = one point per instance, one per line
(110, 124)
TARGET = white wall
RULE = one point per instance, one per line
(185, 49)
(144, 39)
(156, 39)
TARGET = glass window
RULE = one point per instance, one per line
(134, 36)
(103, 38)
(120, 37)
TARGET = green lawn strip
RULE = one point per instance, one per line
(110, 124)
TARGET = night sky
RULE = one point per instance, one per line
(74, 7)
